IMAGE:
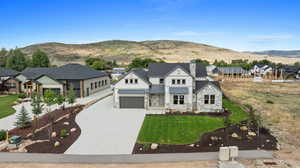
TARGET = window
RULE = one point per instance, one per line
(212, 99)
(161, 81)
(178, 99)
(178, 81)
(135, 81)
(131, 81)
(91, 86)
(183, 81)
(175, 99)
(126, 81)
(99, 84)
(105, 82)
(102, 83)
(206, 99)
(181, 99)
(173, 81)
(95, 85)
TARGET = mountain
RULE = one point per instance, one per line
(125, 51)
(280, 53)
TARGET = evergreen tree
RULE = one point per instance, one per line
(16, 60)
(60, 99)
(71, 97)
(40, 59)
(37, 107)
(3, 56)
(23, 119)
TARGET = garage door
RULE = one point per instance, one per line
(131, 102)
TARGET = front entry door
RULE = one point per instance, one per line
(87, 91)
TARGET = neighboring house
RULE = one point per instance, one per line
(82, 79)
(9, 84)
(230, 71)
(291, 71)
(211, 69)
(171, 86)
(117, 73)
(261, 70)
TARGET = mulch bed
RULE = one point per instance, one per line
(212, 141)
(48, 146)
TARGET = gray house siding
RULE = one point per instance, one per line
(209, 90)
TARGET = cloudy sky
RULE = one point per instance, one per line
(236, 24)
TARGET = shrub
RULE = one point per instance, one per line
(270, 102)
(22, 96)
(63, 133)
(2, 135)
(146, 146)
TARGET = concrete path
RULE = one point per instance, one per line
(140, 158)
(7, 123)
(105, 130)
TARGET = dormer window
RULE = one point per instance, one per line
(126, 81)
(173, 81)
(161, 81)
(178, 81)
(183, 81)
(131, 81)
(135, 81)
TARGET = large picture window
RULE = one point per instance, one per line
(206, 99)
(209, 99)
(212, 99)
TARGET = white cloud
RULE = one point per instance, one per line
(271, 37)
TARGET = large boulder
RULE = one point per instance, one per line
(234, 135)
(56, 144)
(73, 129)
(66, 123)
(53, 134)
(154, 146)
(251, 133)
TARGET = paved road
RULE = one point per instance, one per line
(105, 130)
(8, 122)
(140, 158)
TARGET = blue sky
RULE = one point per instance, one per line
(235, 24)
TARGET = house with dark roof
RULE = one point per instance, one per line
(262, 70)
(230, 71)
(169, 86)
(82, 79)
(291, 72)
(8, 83)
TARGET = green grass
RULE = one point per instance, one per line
(185, 129)
(6, 103)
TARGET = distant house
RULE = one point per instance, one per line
(117, 73)
(82, 79)
(291, 71)
(211, 69)
(261, 70)
(169, 86)
(9, 84)
(230, 71)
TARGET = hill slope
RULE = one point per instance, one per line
(280, 53)
(125, 51)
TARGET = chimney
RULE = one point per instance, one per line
(193, 68)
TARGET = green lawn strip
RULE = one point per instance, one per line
(185, 129)
(6, 103)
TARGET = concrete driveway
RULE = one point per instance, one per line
(105, 130)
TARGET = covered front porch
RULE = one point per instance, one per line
(157, 97)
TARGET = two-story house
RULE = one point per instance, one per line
(170, 86)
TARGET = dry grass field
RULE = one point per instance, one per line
(279, 105)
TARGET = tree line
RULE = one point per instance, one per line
(17, 60)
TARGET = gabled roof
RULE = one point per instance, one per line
(162, 69)
(202, 84)
(6, 72)
(65, 72)
(141, 73)
(291, 68)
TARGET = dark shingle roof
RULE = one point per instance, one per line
(231, 70)
(141, 73)
(65, 72)
(6, 72)
(162, 69)
(201, 84)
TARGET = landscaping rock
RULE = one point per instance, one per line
(278, 146)
(267, 140)
(66, 123)
(251, 133)
(53, 134)
(192, 145)
(154, 146)
(73, 130)
(244, 128)
(56, 144)
(234, 135)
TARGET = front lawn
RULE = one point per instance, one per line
(6, 103)
(185, 129)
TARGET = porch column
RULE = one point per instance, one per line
(82, 88)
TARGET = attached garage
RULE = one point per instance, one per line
(132, 102)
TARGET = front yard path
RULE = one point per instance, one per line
(105, 130)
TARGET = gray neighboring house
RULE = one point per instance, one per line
(8, 83)
(172, 87)
(82, 79)
(230, 71)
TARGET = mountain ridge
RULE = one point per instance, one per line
(124, 51)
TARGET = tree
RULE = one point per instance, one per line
(99, 65)
(60, 99)
(37, 107)
(16, 60)
(50, 99)
(259, 124)
(40, 59)
(23, 119)
(204, 62)
(142, 62)
(227, 123)
(297, 63)
(71, 97)
(3, 57)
